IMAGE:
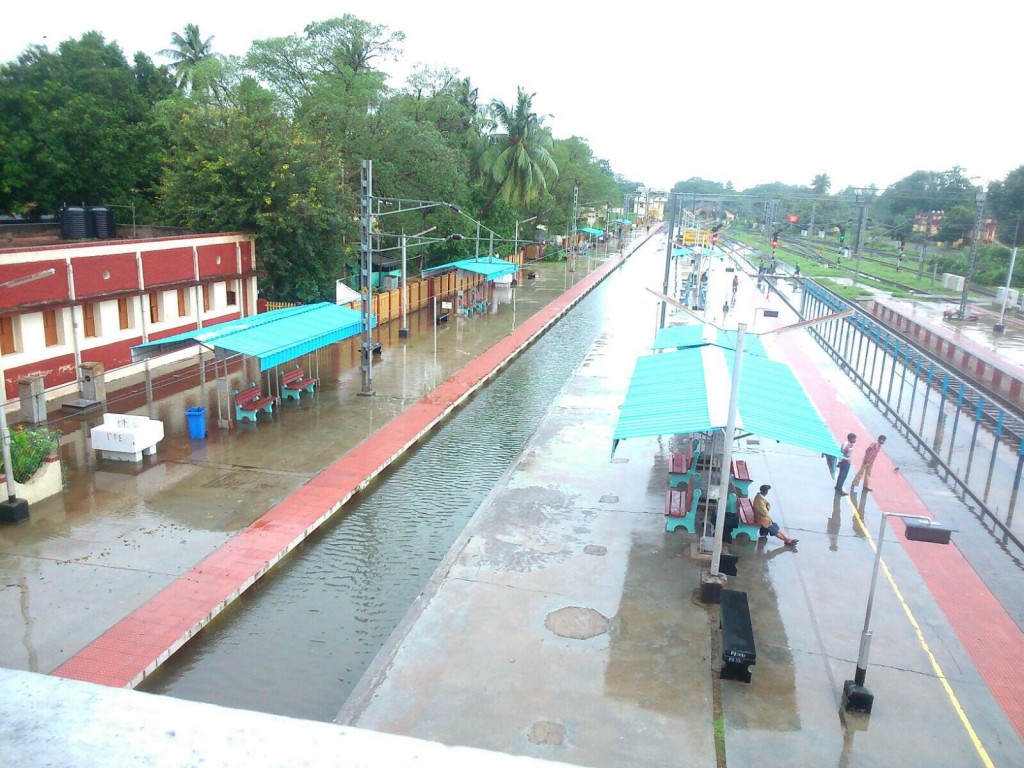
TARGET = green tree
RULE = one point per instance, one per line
(957, 225)
(239, 165)
(340, 53)
(1006, 202)
(821, 184)
(78, 127)
(516, 162)
(188, 53)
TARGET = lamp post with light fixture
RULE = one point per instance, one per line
(856, 696)
(13, 510)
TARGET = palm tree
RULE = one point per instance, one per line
(189, 51)
(517, 163)
(821, 184)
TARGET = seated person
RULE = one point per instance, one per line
(762, 509)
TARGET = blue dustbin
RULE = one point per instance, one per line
(196, 423)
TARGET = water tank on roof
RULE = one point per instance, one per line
(73, 223)
(103, 222)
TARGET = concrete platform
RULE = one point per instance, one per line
(562, 625)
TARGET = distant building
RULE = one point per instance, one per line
(929, 223)
(104, 297)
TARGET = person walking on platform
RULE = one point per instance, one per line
(762, 513)
(867, 463)
(844, 463)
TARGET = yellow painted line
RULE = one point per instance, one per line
(978, 746)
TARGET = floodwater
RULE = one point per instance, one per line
(300, 639)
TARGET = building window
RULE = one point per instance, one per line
(182, 303)
(7, 345)
(122, 313)
(154, 308)
(232, 298)
(50, 327)
(89, 320)
(207, 297)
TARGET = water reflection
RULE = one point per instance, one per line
(299, 640)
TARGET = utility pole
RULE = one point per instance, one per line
(668, 256)
(972, 260)
(862, 200)
(365, 281)
(575, 212)
(814, 213)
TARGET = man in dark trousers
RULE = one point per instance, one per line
(844, 463)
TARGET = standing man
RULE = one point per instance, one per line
(844, 463)
(869, 461)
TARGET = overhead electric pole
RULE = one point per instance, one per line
(972, 260)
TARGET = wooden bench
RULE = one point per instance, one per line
(748, 521)
(739, 475)
(442, 318)
(738, 651)
(250, 401)
(681, 506)
(295, 382)
(682, 468)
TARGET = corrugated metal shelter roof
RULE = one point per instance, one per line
(490, 267)
(684, 336)
(682, 250)
(591, 231)
(688, 391)
(272, 337)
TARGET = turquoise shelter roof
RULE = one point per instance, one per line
(688, 391)
(684, 336)
(491, 267)
(272, 337)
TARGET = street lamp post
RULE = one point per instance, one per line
(856, 696)
(403, 332)
(524, 221)
(13, 510)
(1000, 327)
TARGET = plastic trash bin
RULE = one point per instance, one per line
(196, 423)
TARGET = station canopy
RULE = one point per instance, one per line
(699, 335)
(491, 267)
(273, 337)
(591, 231)
(627, 222)
(688, 390)
(682, 251)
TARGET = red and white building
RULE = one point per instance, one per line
(104, 297)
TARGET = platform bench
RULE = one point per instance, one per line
(250, 401)
(738, 651)
(740, 477)
(295, 382)
(748, 520)
(442, 318)
(681, 506)
(681, 469)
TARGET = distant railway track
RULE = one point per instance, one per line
(993, 403)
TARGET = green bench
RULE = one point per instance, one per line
(250, 401)
(295, 382)
(681, 506)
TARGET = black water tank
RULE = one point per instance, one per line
(74, 223)
(103, 222)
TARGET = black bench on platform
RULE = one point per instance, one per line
(738, 652)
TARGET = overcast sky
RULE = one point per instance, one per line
(866, 92)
